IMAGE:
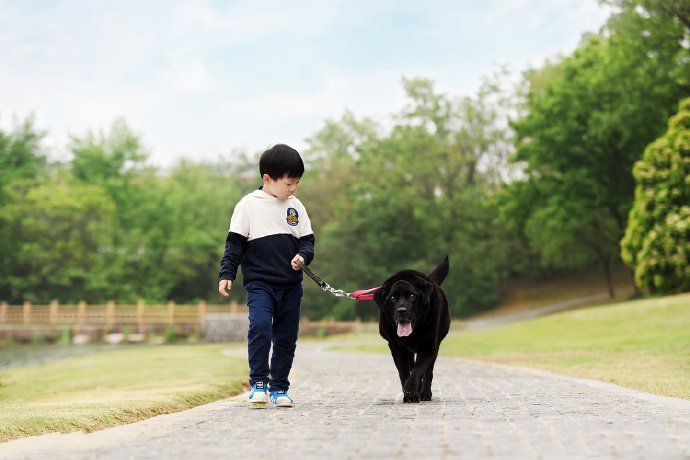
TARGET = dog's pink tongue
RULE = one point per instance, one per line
(404, 329)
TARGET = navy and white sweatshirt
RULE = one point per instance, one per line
(265, 234)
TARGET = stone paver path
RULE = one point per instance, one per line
(350, 407)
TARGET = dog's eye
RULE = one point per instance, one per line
(392, 298)
(411, 296)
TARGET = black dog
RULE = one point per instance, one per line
(414, 318)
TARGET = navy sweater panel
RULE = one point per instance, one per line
(267, 259)
(235, 245)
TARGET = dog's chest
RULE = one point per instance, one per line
(411, 344)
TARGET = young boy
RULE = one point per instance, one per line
(269, 231)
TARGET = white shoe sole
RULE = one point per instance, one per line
(259, 398)
(283, 402)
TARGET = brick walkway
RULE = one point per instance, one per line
(349, 407)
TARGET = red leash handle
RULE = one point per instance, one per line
(365, 294)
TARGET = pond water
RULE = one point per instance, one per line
(30, 355)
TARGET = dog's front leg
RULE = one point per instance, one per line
(425, 394)
(417, 388)
(404, 360)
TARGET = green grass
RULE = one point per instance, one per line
(643, 344)
(521, 294)
(97, 391)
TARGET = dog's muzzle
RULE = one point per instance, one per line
(405, 325)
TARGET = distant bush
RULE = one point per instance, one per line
(657, 240)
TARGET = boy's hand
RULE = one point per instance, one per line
(223, 285)
(294, 265)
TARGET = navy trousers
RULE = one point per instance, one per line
(273, 320)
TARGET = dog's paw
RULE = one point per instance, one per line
(425, 396)
(409, 397)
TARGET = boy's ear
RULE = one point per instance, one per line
(266, 177)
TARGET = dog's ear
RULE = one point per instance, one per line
(426, 288)
(381, 294)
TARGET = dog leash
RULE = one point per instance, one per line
(362, 294)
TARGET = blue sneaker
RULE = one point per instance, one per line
(280, 398)
(258, 394)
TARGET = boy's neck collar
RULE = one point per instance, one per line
(261, 187)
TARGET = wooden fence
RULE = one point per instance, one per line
(23, 323)
(111, 314)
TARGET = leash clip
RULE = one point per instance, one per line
(324, 285)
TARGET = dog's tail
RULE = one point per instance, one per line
(440, 272)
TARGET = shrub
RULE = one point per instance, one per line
(657, 240)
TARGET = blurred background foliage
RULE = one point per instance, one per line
(520, 180)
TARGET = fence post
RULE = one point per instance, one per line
(110, 313)
(27, 311)
(53, 311)
(233, 306)
(3, 312)
(140, 316)
(202, 311)
(81, 312)
(171, 312)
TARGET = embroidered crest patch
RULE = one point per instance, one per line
(292, 217)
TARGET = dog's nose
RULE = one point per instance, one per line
(402, 309)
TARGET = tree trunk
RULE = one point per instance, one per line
(636, 290)
(606, 265)
(605, 261)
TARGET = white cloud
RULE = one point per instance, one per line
(188, 72)
(241, 22)
(201, 78)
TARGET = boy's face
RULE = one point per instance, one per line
(282, 188)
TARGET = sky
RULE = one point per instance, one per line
(202, 79)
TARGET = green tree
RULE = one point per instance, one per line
(657, 240)
(661, 19)
(115, 160)
(416, 193)
(199, 201)
(331, 165)
(22, 163)
(585, 121)
(21, 154)
(332, 170)
(458, 149)
(62, 238)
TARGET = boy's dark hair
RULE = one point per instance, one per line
(281, 160)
